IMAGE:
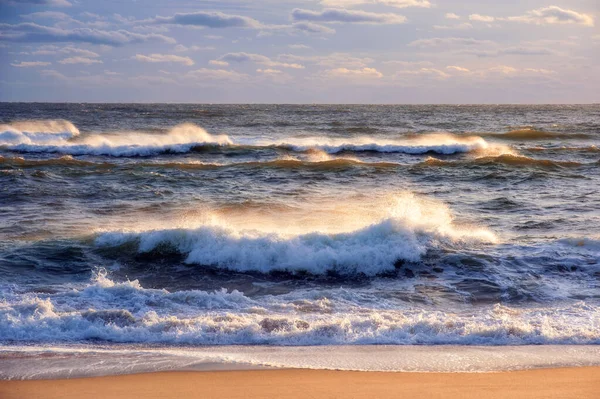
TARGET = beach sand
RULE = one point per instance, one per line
(561, 383)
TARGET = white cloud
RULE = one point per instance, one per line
(164, 58)
(112, 73)
(34, 33)
(457, 68)
(335, 15)
(449, 41)
(504, 69)
(426, 72)
(257, 59)
(269, 71)
(181, 48)
(354, 73)
(205, 74)
(463, 26)
(451, 15)
(29, 64)
(218, 63)
(554, 15)
(208, 20)
(52, 50)
(390, 3)
(481, 18)
(298, 46)
(309, 27)
(332, 60)
(79, 60)
(47, 15)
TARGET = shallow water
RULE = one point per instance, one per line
(299, 225)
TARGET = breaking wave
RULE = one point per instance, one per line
(63, 138)
(411, 226)
(182, 138)
(128, 313)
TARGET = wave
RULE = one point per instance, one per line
(591, 149)
(126, 312)
(441, 143)
(325, 165)
(181, 139)
(35, 132)
(64, 138)
(534, 134)
(504, 159)
(410, 227)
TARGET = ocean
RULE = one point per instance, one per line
(161, 229)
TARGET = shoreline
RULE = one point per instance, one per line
(22, 362)
(574, 382)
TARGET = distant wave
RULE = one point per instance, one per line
(69, 161)
(590, 149)
(534, 134)
(504, 159)
(43, 137)
(63, 138)
(413, 226)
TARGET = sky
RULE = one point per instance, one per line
(311, 51)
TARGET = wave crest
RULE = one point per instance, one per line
(411, 227)
(182, 138)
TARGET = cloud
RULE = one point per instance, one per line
(449, 41)
(457, 68)
(206, 74)
(181, 48)
(79, 60)
(47, 15)
(208, 20)
(390, 3)
(309, 27)
(164, 58)
(481, 18)
(333, 15)
(425, 72)
(354, 73)
(554, 15)
(51, 50)
(504, 69)
(269, 71)
(333, 60)
(29, 64)
(451, 15)
(257, 59)
(31, 32)
(463, 26)
(409, 63)
(55, 3)
(298, 46)
(218, 63)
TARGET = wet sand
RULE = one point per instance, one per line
(561, 383)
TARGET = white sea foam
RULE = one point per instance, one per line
(404, 231)
(63, 137)
(45, 362)
(182, 138)
(441, 143)
(37, 132)
(128, 313)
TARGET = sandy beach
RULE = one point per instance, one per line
(293, 383)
